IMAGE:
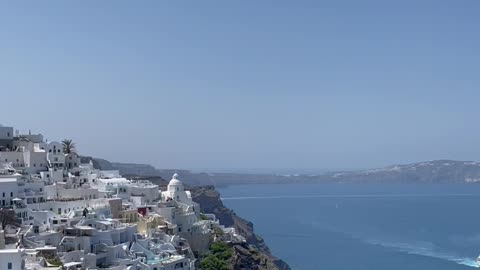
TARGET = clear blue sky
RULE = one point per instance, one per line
(246, 84)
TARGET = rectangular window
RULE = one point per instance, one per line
(9, 265)
(4, 194)
(11, 194)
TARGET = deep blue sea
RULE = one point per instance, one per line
(364, 226)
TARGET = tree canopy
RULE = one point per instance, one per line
(7, 217)
(68, 146)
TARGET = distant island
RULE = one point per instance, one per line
(436, 171)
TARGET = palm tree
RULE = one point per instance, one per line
(68, 146)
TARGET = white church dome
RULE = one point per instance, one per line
(175, 181)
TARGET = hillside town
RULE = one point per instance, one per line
(59, 213)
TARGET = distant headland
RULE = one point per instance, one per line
(435, 171)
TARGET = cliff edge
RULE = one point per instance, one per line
(258, 255)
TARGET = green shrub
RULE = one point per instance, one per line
(218, 247)
(211, 262)
(54, 261)
(218, 260)
(218, 231)
(225, 255)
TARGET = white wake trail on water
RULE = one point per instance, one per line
(424, 249)
(416, 248)
(347, 196)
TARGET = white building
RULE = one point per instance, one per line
(6, 137)
(8, 191)
(176, 191)
(11, 259)
(91, 218)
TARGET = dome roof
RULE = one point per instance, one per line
(175, 181)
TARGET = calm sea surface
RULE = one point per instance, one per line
(364, 226)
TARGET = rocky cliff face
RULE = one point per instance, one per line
(245, 257)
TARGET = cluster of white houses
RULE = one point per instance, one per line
(79, 217)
